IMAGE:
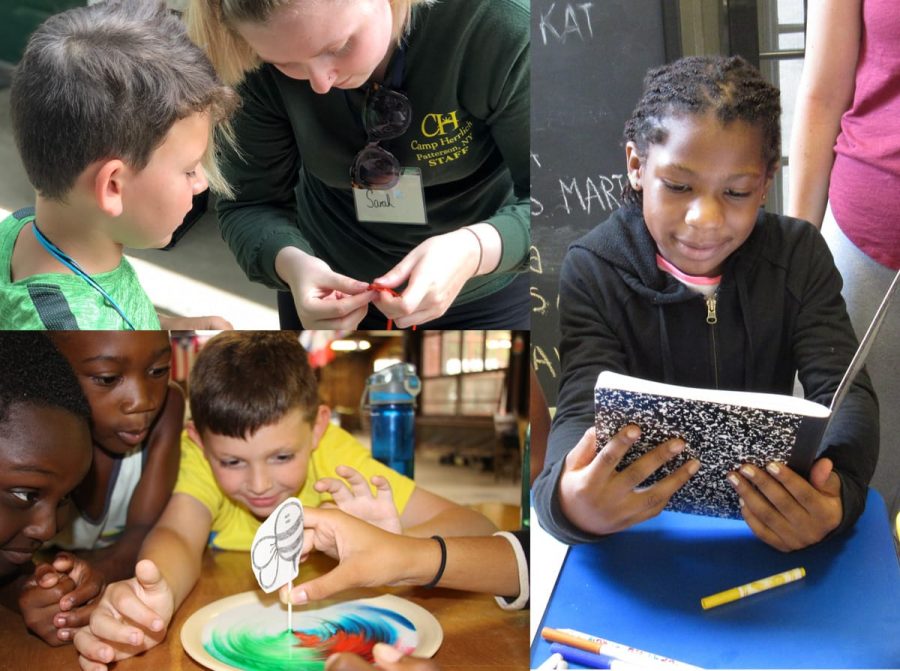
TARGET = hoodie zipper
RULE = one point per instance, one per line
(712, 319)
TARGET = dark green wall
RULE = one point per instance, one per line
(18, 18)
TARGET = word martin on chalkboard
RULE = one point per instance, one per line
(586, 78)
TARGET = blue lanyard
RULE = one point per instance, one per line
(69, 263)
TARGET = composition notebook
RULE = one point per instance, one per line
(723, 429)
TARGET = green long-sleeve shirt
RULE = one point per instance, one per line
(467, 71)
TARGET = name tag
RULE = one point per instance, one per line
(404, 204)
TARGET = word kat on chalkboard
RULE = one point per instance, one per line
(586, 78)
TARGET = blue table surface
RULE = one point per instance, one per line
(642, 587)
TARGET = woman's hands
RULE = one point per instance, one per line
(324, 299)
(435, 272)
(368, 556)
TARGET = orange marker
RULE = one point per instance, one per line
(646, 660)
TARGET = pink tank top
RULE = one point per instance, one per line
(865, 182)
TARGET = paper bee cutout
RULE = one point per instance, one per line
(275, 552)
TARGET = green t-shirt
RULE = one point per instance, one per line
(467, 71)
(57, 301)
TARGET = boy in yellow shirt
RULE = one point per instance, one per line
(258, 436)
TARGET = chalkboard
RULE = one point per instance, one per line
(589, 59)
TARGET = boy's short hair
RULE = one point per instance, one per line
(108, 81)
(244, 380)
(35, 372)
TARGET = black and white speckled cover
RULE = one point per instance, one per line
(722, 436)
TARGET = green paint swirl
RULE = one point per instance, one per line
(260, 646)
(259, 652)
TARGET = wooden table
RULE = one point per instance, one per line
(477, 633)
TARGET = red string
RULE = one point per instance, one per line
(378, 287)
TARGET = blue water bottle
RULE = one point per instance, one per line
(391, 396)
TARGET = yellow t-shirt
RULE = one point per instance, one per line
(233, 526)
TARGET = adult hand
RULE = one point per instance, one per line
(357, 499)
(435, 272)
(601, 500)
(76, 606)
(367, 556)
(783, 509)
(386, 657)
(131, 617)
(208, 323)
(39, 602)
(324, 299)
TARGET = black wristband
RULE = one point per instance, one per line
(440, 571)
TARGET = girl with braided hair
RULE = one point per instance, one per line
(692, 283)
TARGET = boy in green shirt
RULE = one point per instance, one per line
(258, 436)
(112, 110)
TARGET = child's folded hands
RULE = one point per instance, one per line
(39, 602)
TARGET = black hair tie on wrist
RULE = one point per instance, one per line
(440, 572)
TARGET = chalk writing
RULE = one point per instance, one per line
(606, 196)
(540, 360)
(585, 83)
(573, 20)
(542, 306)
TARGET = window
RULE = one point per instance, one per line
(464, 372)
(782, 26)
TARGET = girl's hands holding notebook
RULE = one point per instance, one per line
(786, 511)
(601, 500)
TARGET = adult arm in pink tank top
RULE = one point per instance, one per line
(834, 29)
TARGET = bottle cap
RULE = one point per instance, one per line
(395, 384)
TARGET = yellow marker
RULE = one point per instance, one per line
(761, 585)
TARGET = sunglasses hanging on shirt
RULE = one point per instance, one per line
(386, 115)
(383, 190)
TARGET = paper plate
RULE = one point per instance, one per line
(254, 616)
